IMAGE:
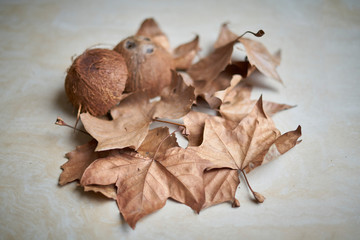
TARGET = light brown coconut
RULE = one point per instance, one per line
(96, 80)
(149, 65)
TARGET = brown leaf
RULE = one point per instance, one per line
(214, 73)
(261, 58)
(129, 127)
(150, 28)
(195, 122)
(132, 117)
(155, 138)
(283, 144)
(108, 191)
(144, 184)
(256, 52)
(225, 36)
(220, 186)
(185, 54)
(78, 160)
(253, 142)
(208, 68)
(237, 103)
(176, 100)
(223, 93)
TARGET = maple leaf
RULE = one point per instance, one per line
(214, 72)
(78, 160)
(208, 68)
(151, 143)
(220, 186)
(261, 58)
(257, 53)
(133, 116)
(233, 83)
(225, 36)
(129, 127)
(185, 53)
(195, 122)
(144, 184)
(176, 99)
(237, 103)
(108, 191)
(149, 28)
(255, 141)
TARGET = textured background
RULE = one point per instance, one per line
(312, 191)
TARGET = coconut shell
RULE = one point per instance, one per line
(96, 80)
(149, 65)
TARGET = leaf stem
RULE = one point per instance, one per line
(247, 182)
(258, 197)
(174, 123)
(259, 33)
(61, 122)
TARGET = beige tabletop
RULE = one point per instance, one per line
(312, 192)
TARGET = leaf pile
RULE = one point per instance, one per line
(141, 167)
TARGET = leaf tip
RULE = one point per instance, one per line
(235, 203)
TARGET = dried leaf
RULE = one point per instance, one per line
(144, 184)
(155, 138)
(108, 191)
(149, 28)
(132, 117)
(237, 103)
(195, 122)
(208, 68)
(214, 73)
(235, 203)
(253, 142)
(185, 54)
(261, 58)
(129, 127)
(187, 79)
(223, 93)
(220, 186)
(78, 160)
(256, 52)
(225, 36)
(176, 100)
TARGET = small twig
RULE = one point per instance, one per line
(61, 122)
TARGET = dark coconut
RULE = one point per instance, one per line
(149, 65)
(96, 81)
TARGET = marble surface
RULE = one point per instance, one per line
(312, 191)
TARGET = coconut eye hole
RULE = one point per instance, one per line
(149, 49)
(129, 44)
